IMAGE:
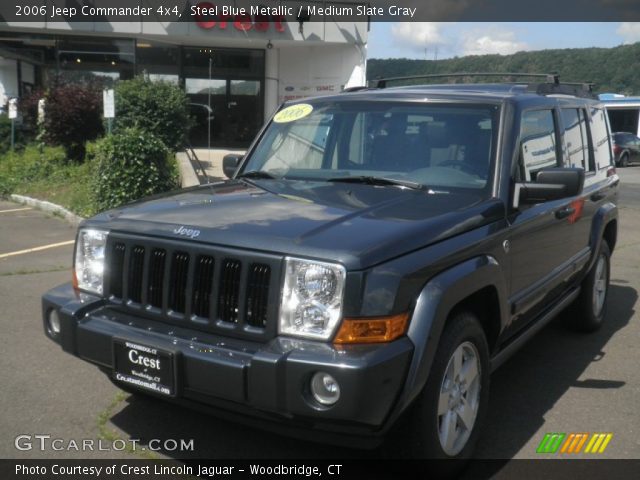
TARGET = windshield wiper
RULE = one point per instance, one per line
(256, 174)
(370, 180)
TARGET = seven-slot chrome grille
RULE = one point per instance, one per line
(209, 288)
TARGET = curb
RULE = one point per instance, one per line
(48, 207)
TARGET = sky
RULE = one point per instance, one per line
(433, 40)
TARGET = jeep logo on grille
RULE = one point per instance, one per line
(187, 232)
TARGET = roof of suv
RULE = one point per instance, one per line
(491, 92)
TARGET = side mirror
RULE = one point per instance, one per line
(230, 163)
(550, 184)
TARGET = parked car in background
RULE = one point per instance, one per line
(626, 148)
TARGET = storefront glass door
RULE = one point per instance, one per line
(225, 93)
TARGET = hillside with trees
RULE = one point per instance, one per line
(615, 70)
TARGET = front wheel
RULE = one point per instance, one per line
(446, 420)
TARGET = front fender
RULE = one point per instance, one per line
(436, 301)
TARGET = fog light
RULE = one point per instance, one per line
(54, 322)
(325, 388)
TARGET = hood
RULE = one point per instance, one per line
(356, 225)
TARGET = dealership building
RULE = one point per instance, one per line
(235, 70)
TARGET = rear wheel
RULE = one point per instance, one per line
(447, 418)
(591, 306)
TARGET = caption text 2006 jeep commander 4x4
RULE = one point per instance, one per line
(375, 253)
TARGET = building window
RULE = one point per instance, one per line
(158, 61)
(200, 61)
(96, 59)
(245, 87)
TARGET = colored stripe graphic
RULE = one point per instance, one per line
(573, 443)
(598, 443)
(550, 443)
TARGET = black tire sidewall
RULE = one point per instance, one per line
(590, 321)
(463, 327)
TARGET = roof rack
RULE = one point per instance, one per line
(550, 86)
(574, 89)
(382, 82)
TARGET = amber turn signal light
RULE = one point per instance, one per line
(372, 330)
(74, 279)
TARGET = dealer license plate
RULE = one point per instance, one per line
(144, 367)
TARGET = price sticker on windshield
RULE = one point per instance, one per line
(293, 113)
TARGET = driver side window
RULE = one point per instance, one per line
(537, 144)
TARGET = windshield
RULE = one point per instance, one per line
(439, 146)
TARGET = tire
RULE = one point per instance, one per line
(437, 423)
(590, 307)
(624, 161)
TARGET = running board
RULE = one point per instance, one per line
(516, 344)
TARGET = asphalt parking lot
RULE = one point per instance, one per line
(559, 382)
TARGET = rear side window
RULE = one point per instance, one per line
(576, 140)
(600, 138)
(537, 143)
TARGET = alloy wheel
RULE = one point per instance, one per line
(600, 285)
(459, 399)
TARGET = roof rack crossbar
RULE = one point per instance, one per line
(584, 90)
(549, 77)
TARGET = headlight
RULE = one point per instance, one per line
(89, 264)
(311, 304)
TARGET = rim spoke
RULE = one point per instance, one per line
(466, 414)
(457, 362)
(469, 371)
(449, 430)
(443, 403)
(600, 285)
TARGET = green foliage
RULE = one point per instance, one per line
(610, 69)
(130, 164)
(160, 108)
(73, 117)
(20, 168)
(5, 135)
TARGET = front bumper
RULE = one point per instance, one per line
(266, 381)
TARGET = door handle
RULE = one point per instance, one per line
(565, 212)
(596, 197)
(231, 104)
